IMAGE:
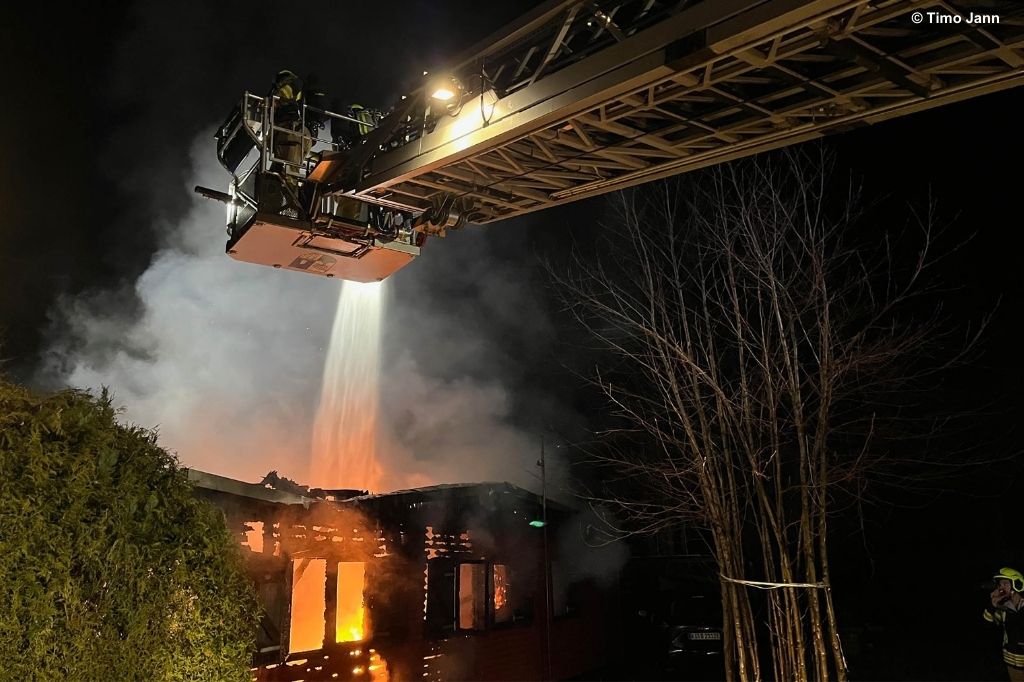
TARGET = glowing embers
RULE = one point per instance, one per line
(351, 619)
(309, 601)
(378, 667)
(472, 596)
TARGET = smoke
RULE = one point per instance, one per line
(466, 328)
(592, 552)
(443, 426)
(225, 359)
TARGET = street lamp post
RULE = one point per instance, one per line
(547, 563)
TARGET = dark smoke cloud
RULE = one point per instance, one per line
(465, 324)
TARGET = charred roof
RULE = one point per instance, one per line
(487, 493)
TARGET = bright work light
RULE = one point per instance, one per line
(443, 93)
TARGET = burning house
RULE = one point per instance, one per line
(446, 582)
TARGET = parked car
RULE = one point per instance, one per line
(694, 626)
(675, 626)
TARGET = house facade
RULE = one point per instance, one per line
(450, 582)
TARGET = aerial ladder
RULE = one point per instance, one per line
(577, 98)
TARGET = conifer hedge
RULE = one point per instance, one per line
(110, 568)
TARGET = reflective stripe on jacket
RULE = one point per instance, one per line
(1013, 633)
(365, 118)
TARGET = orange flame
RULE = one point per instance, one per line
(351, 623)
(500, 587)
(503, 612)
(308, 602)
(378, 668)
(254, 536)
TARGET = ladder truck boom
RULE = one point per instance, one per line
(578, 98)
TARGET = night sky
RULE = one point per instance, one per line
(108, 122)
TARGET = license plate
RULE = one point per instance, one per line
(704, 635)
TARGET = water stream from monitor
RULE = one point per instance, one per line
(345, 428)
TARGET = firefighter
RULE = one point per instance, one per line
(287, 86)
(315, 100)
(1008, 611)
(347, 132)
(287, 104)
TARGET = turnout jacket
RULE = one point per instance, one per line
(1013, 633)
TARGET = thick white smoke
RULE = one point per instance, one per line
(226, 358)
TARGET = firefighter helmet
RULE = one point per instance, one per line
(1015, 577)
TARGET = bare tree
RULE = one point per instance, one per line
(760, 337)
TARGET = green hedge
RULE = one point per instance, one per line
(110, 568)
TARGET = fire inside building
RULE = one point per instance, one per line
(446, 582)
